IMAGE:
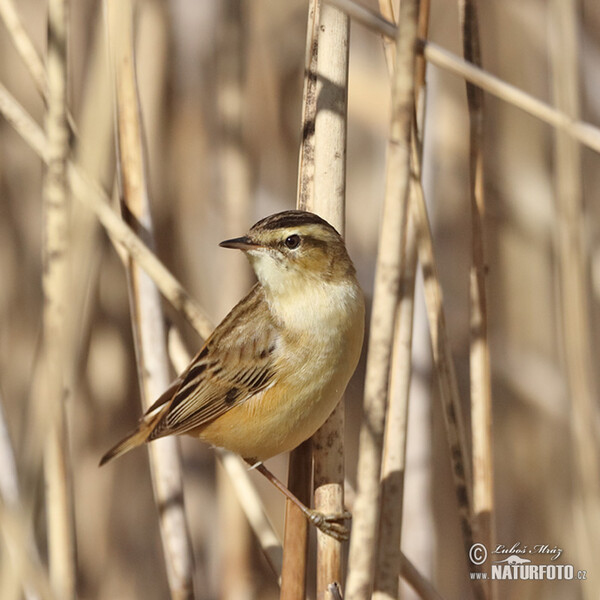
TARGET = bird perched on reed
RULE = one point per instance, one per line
(277, 365)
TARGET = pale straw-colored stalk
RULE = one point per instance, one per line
(479, 352)
(574, 286)
(388, 568)
(55, 282)
(445, 370)
(364, 540)
(147, 318)
(329, 201)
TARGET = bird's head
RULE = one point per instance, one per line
(294, 248)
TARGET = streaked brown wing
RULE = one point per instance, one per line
(235, 363)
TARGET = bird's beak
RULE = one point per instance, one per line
(241, 243)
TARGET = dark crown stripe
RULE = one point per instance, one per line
(291, 218)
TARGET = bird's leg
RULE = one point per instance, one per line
(330, 524)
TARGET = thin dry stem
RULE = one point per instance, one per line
(444, 363)
(364, 540)
(147, 316)
(481, 392)
(394, 451)
(59, 501)
(24, 46)
(574, 282)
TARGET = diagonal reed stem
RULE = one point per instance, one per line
(147, 318)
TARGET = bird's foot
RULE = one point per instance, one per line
(332, 524)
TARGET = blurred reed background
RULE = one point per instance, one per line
(221, 89)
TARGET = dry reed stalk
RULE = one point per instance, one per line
(585, 133)
(24, 46)
(479, 354)
(58, 474)
(328, 200)
(295, 547)
(147, 318)
(364, 540)
(444, 364)
(295, 539)
(388, 568)
(573, 273)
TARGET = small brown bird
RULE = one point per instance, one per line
(275, 368)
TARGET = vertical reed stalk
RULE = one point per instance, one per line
(444, 364)
(479, 355)
(59, 501)
(364, 541)
(573, 282)
(388, 569)
(295, 539)
(147, 318)
(329, 202)
(295, 547)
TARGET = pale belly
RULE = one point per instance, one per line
(283, 416)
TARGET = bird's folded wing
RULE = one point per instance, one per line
(236, 363)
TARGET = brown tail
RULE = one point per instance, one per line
(146, 427)
(138, 437)
(133, 440)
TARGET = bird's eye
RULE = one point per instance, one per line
(292, 241)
